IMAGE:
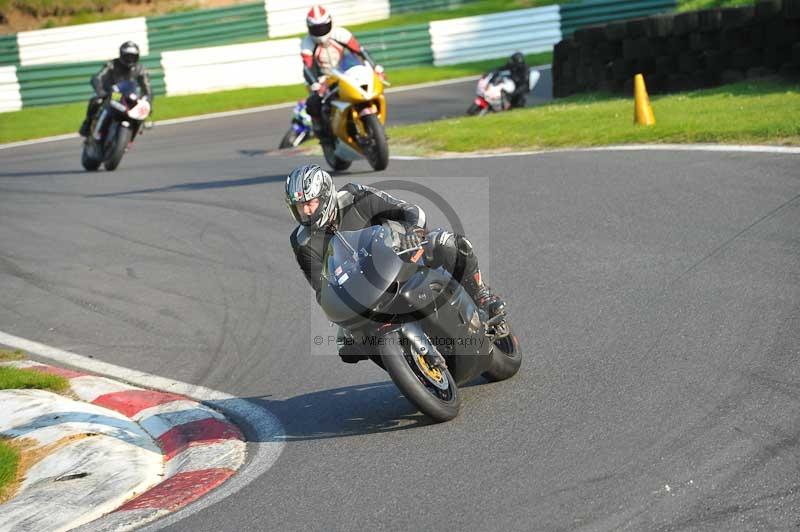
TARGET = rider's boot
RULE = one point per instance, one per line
(489, 302)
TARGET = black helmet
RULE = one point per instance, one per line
(306, 183)
(517, 58)
(129, 54)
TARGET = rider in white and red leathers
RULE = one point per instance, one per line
(322, 50)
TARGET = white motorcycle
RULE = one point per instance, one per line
(494, 92)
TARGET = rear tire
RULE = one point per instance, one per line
(333, 161)
(118, 148)
(87, 161)
(506, 359)
(288, 139)
(378, 155)
(437, 404)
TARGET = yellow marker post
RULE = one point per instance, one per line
(643, 111)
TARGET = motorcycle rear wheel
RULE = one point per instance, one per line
(88, 162)
(506, 359)
(118, 148)
(378, 153)
(436, 403)
(335, 162)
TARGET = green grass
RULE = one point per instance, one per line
(751, 112)
(16, 378)
(9, 458)
(692, 5)
(35, 122)
(7, 354)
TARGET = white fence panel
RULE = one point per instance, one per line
(10, 96)
(288, 17)
(261, 64)
(491, 36)
(85, 42)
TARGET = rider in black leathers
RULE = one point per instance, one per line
(125, 67)
(355, 207)
(520, 73)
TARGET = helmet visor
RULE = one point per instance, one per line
(307, 212)
(129, 59)
(320, 30)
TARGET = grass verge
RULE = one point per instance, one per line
(9, 460)
(764, 111)
(35, 122)
(693, 5)
(7, 354)
(16, 378)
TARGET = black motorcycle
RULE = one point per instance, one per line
(116, 125)
(417, 323)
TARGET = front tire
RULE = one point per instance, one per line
(118, 148)
(473, 109)
(378, 153)
(288, 139)
(436, 403)
(506, 359)
(333, 161)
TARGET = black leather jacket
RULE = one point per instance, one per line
(358, 207)
(114, 71)
(520, 74)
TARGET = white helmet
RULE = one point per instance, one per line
(319, 24)
(306, 183)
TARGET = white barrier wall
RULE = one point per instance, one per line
(288, 17)
(85, 42)
(260, 64)
(491, 36)
(10, 96)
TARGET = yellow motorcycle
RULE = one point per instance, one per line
(357, 114)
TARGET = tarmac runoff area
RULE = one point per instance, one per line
(129, 454)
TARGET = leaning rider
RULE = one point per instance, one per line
(125, 67)
(521, 75)
(316, 205)
(322, 50)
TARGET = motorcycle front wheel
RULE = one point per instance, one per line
(432, 390)
(378, 153)
(118, 148)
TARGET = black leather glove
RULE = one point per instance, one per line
(413, 238)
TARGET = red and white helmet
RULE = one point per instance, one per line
(319, 24)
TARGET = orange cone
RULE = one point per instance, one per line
(643, 112)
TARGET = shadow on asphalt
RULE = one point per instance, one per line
(348, 411)
(43, 173)
(203, 185)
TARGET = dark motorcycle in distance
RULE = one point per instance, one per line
(300, 129)
(417, 323)
(493, 92)
(116, 125)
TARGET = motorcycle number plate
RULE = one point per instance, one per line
(116, 96)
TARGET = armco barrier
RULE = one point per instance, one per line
(681, 52)
(405, 46)
(231, 67)
(491, 36)
(588, 12)
(408, 6)
(9, 53)
(10, 99)
(288, 17)
(207, 27)
(48, 84)
(86, 42)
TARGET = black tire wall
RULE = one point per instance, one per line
(681, 51)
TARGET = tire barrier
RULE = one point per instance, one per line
(684, 51)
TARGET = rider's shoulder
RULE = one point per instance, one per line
(300, 236)
(307, 44)
(341, 34)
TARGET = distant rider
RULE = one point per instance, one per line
(322, 50)
(316, 205)
(125, 67)
(520, 74)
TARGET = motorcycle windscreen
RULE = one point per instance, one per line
(358, 269)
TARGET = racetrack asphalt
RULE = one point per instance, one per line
(656, 296)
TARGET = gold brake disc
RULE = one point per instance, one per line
(433, 373)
